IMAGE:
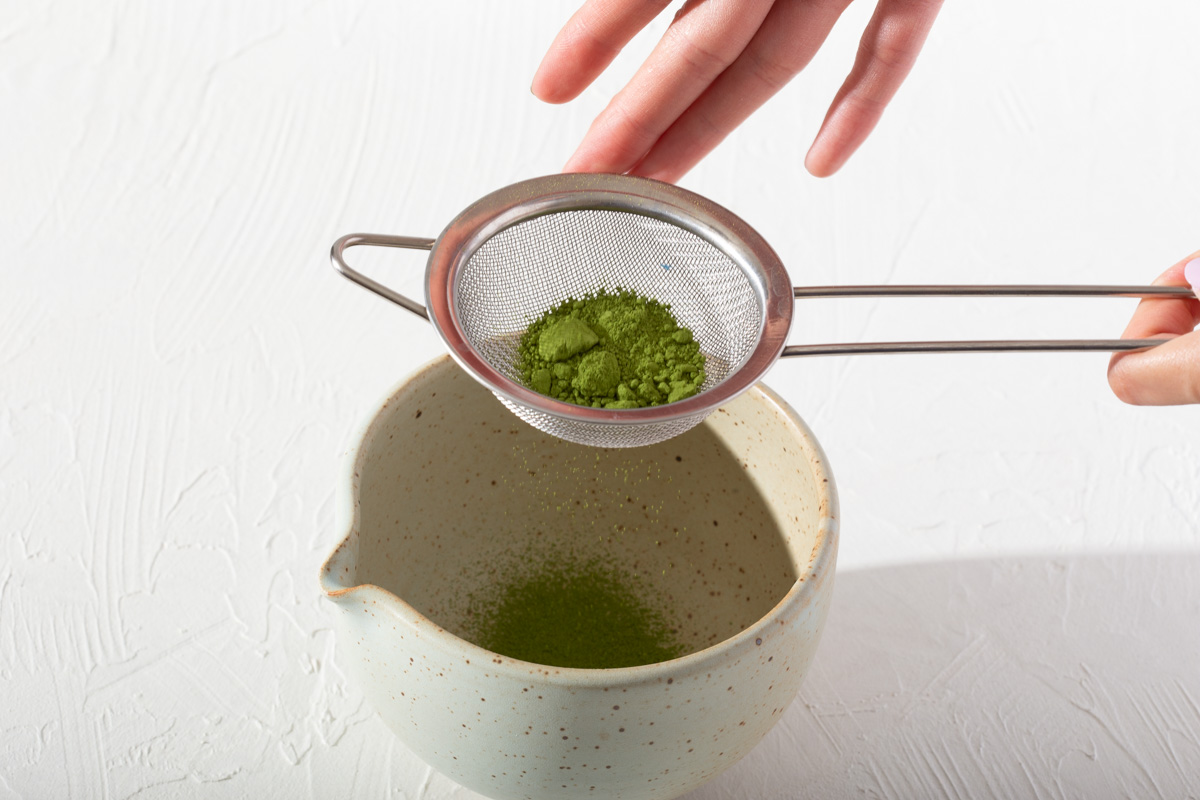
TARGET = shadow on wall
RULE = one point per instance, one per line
(1046, 677)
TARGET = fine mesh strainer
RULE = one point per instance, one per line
(523, 249)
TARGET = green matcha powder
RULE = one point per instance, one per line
(611, 350)
(573, 614)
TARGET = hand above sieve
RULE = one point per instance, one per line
(1170, 373)
(719, 61)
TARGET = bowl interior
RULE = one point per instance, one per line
(455, 494)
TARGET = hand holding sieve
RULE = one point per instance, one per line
(518, 251)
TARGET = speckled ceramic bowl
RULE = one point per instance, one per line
(733, 525)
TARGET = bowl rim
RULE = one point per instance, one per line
(803, 590)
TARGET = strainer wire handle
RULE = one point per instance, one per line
(379, 240)
(998, 346)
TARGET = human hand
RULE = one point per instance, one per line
(1168, 374)
(719, 61)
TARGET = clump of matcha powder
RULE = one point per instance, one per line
(611, 350)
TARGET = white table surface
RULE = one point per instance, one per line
(1017, 611)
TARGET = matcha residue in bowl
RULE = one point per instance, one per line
(611, 350)
(579, 614)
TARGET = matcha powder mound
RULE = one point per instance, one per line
(611, 350)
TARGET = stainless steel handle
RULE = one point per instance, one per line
(336, 255)
(1001, 346)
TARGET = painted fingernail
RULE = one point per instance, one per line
(1191, 271)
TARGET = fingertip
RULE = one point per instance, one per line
(1119, 381)
(567, 68)
(583, 163)
(549, 89)
(584, 158)
(817, 169)
(538, 88)
(818, 163)
(548, 96)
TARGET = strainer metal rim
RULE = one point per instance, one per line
(551, 194)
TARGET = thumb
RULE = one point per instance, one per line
(1168, 374)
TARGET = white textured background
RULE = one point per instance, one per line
(1018, 610)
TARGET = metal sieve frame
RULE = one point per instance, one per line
(529, 199)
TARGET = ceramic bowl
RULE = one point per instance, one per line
(732, 525)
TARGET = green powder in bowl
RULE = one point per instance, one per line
(611, 350)
(572, 613)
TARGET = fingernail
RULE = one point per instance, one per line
(1191, 271)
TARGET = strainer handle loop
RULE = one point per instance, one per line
(337, 256)
(1001, 346)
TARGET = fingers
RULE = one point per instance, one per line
(886, 53)
(706, 36)
(718, 62)
(786, 41)
(588, 43)
(1168, 374)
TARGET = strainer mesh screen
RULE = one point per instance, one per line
(519, 273)
(596, 435)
